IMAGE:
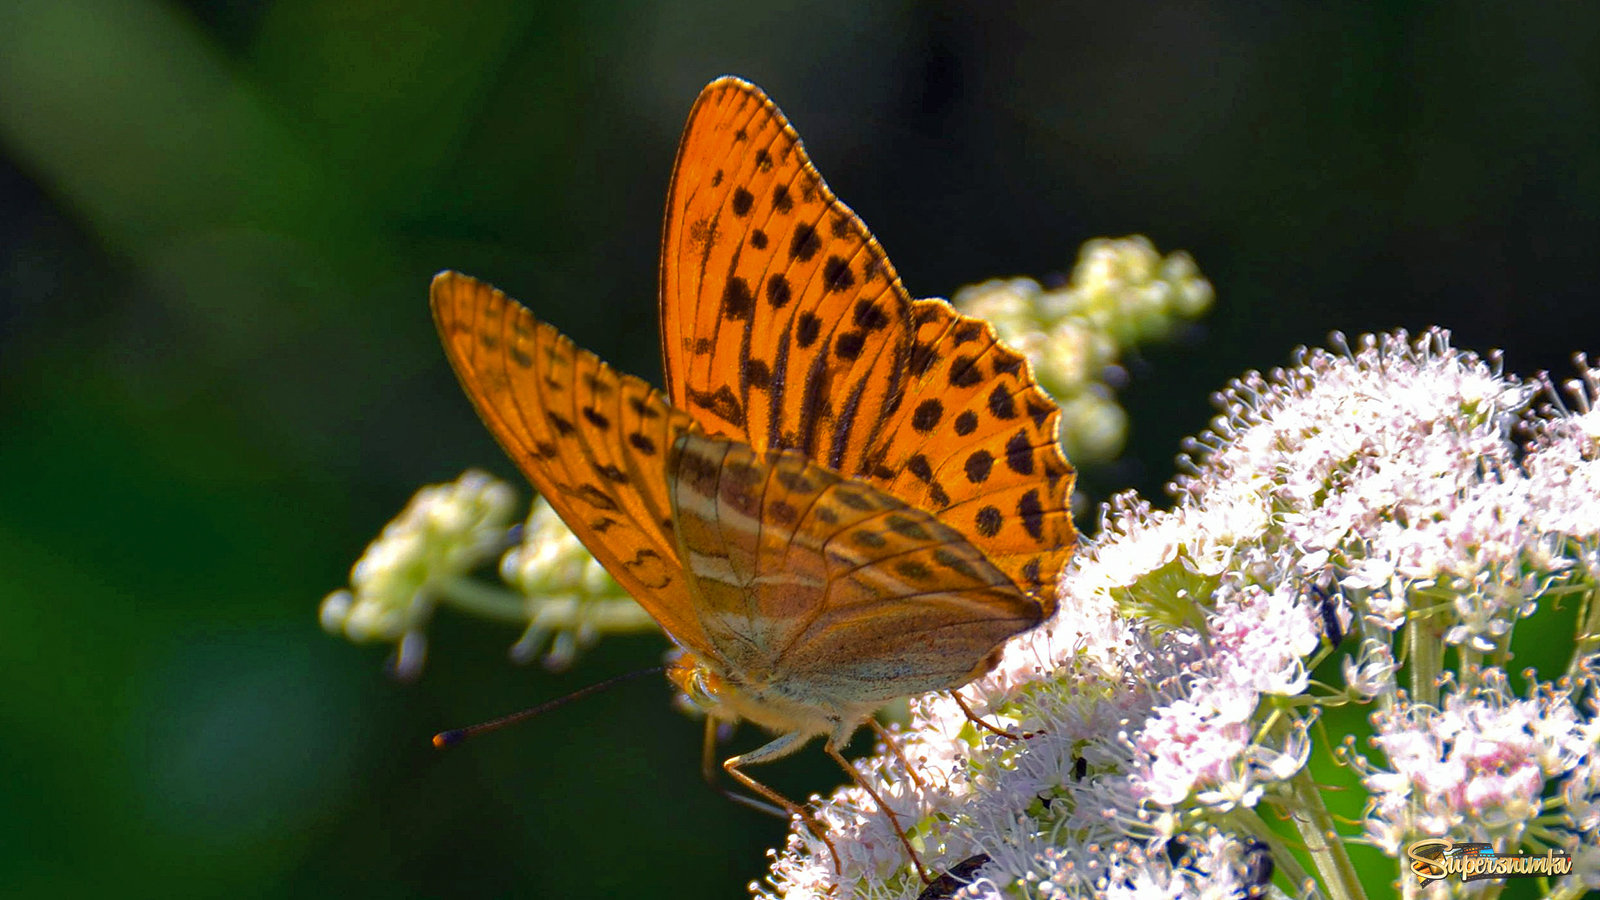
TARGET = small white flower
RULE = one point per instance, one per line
(447, 530)
(1374, 493)
(569, 597)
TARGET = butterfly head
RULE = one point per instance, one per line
(780, 706)
(702, 687)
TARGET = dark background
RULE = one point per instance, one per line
(218, 377)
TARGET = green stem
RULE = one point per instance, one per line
(482, 600)
(1588, 636)
(1315, 825)
(1425, 649)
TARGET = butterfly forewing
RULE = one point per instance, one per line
(830, 585)
(779, 331)
(593, 441)
(783, 322)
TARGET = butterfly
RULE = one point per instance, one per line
(844, 496)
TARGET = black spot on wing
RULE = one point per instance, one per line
(927, 415)
(1030, 574)
(1039, 411)
(836, 275)
(757, 374)
(810, 326)
(867, 315)
(918, 465)
(795, 481)
(1001, 404)
(908, 528)
(1019, 454)
(964, 372)
(978, 465)
(805, 243)
(778, 291)
(1032, 513)
(611, 473)
(923, 356)
(644, 409)
(1006, 362)
(913, 570)
(944, 557)
(737, 301)
(854, 499)
(722, 402)
(870, 539)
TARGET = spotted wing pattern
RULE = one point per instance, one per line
(975, 441)
(782, 321)
(593, 441)
(830, 585)
(784, 325)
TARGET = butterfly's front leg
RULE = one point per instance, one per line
(709, 768)
(778, 748)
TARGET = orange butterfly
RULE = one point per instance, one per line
(845, 497)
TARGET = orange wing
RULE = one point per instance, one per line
(830, 586)
(975, 442)
(783, 323)
(593, 441)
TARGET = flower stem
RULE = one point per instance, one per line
(1424, 646)
(482, 600)
(1312, 819)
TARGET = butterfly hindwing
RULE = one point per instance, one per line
(593, 441)
(812, 579)
(782, 321)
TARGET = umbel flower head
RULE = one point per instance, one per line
(563, 598)
(1369, 511)
(445, 532)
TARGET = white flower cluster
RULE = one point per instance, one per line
(446, 531)
(563, 598)
(1366, 511)
(1122, 293)
(571, 600)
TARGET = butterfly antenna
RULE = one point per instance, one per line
(457, 735)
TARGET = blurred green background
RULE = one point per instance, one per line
(218, 376)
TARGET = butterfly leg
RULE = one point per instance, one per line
(709, 768)
(841, 736)
(976, 719)
(777, 749)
